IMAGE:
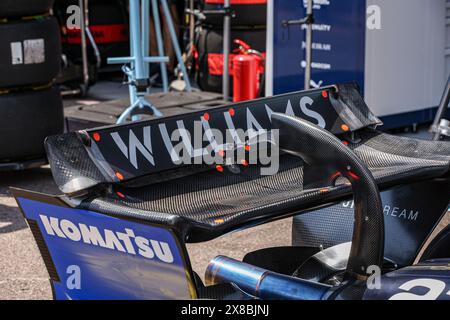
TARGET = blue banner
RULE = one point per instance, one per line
(101, 257)
(338, 44)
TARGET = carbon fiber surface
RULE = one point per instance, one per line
(392, 158)
(352, 108)
(210, 202)
(322, 228)
(216, 201)
(71, 163)
(319, 147)
(212, 196)
(128, 152)
(411, 211)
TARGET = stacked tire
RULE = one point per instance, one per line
(30, 59)
(249, 25)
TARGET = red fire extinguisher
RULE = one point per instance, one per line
(248, 71)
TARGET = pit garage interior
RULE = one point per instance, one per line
(116, 68)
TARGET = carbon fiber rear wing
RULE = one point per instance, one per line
(120, 154)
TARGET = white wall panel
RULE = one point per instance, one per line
(406, 64)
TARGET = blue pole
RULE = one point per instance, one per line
(136, 39)
(160, 42)
(145, 34)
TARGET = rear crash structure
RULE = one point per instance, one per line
(135, 194)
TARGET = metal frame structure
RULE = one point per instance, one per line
(87, 34)
(138, 73)
(226, 51)
(309, 21)
(441, 126)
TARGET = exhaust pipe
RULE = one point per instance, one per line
(262, 283)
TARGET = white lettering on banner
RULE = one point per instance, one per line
(134, 144)
(396, 212)
(318, 46)
(317, 65)
(304, 103)
(318, 27)
(125, 242)
(183, 147)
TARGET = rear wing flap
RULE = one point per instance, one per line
(118, 154)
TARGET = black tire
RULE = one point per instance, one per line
(30, 52)
(210, 41)
(26, 119)
(245, 14)
(24, 8)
